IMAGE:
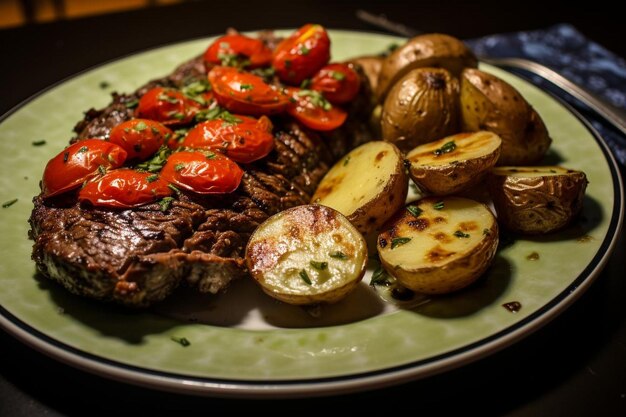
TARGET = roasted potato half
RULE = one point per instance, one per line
(489, 103)
(428, 50)
(367, 185)
(536, 200)
(305, 255)
(439, 245)
(421, 107)
(455, 163)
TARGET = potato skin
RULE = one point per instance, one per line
(421, 107)
(371, 65)
(456, 176)
(537, 204)
(449, 276)
(489, 103)
(428, 50)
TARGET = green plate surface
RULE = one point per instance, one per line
(242, 343)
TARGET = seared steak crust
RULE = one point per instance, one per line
(137, 257)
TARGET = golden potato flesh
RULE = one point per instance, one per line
(439, 245)
(307, 255)
(422, 106)
(489, 103)
(367, 185)
(536, 200)
(428, 50)
(455, 163)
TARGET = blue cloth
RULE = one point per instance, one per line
(582, 61)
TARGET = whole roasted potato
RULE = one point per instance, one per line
(489, 103)
(536, 200)
(439, 244)
(429, 50)
(454, 163)
(371, 65)
(421, 107)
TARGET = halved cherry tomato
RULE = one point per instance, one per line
(124, 188)
(302, 54)
(202, 172)
(167, 106)
(228, 50)
(338, 82)
(311, 109)
(140, 138)
(244, 141)
(79, 162)
(245, 93)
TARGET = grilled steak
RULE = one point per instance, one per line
(138, 256)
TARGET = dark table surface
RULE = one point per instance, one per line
(575, 365)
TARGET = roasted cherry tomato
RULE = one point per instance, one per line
(167, 106)
(302, 54)
(124, 188)
(311, 109)
(245, 93)
(202, 172)
(79, 162)
(238, 50)
(140, 138)
(338, 82)
(244, 141)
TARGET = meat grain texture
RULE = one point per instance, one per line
(137, 257)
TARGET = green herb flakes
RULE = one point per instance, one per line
(152, 178)
(316, 98)
(40, 142)
(380, 277)
(9, 203)
(399, 241)
(178, 167)
(438, 205)
(305, 277)
(461, 235)
(132, 104)
(181, 341)
(346, 161)
(320, 266)
(83, 149)
(339, 76)
(415, 211)
(338, 255)
(104, 85)
(165, 203)
(245, 87)
(446, 148)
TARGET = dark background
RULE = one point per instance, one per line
(574, 366)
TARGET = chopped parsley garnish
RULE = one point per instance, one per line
(229, 118)
(338, 255)
(486, 232)
(152, 178)
(346, 161)
(265, 73)
(438, 205)
(132, 104)
(165, 203)
(305, 277)
(83, 149)
(446, 148)
(306, 83)
(102, 169)
(304, 50)
(158, 160)
(178, 167)
(173, 188)
(104, 85)
(195, 88)
(316, 98)
(399, 241)
(211, 155)
(339, 76)
(9, 203)
(66, 156)
(181, 341)
(415, 211)
(39, 142)
(320, 266)
(380, 277)
(166, 97)
(140, 126)
(245, 87)
(460, 234)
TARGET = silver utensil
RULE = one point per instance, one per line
(616, 116)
